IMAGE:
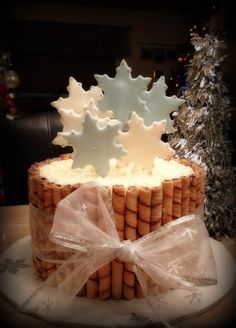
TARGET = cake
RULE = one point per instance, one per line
(147, 190)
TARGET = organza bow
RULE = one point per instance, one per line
(178, 255)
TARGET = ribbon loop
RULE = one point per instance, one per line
(178, 255)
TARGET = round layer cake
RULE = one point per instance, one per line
(142, 202)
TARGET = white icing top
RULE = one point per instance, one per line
(60, 172)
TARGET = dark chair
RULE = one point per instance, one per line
(24, 141)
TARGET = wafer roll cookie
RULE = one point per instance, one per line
(118, 203)
(33, 192)
(193, 193)
(129, 290)
(156, 208)
(40, 193)
(37, 263)
(60, 274)
(82, 291)
(47, 196)
(144, 221)
(47, 265)
(177, 198)
(70, 284)
(131, 213)
(167, 187)
(144, 211)
(131, 234)
(199, 190)
(104, 274)
(92, 286)
(185, 196)
(57, 195)
(66, 190)
(104, 286)
(139, 291)
(203, 185)
(51, 271)
(117, 278)
(32, 185)
(44, 274)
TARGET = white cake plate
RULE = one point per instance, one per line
(18, 281)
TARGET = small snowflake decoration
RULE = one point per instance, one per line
(47, 306)
(175, 268)
(11, 266)
(143, 143)
(95, 144)
(194, 296)
(122, 93)
(189, 233)
(78, 98)
(160, 106)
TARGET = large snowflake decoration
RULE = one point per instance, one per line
(94, 145)
(160, 106)
(122, 93)
(143, 143)
(78, 98)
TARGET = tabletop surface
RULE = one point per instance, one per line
(14, 224)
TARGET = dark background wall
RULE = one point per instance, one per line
(52, 40)
(49, 41)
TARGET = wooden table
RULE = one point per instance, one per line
(14, 224)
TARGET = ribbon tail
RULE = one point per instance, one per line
(156, 311)
(53, 298)
(178, 256)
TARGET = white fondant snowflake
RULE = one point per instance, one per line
(78, 98)
(143, 143)
(94, 145)
(104, 117)
(160, 106)
(122, 93)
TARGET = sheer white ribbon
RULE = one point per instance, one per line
(176, 256)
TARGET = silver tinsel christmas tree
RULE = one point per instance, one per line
(202, 131)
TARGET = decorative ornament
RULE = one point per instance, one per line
(94, 145)
(160, 105)
(122, 93)
(203, 132)
(78, 98)
(143, 143)
(11, 79)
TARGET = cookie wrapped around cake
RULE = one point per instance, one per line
(115, 131)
